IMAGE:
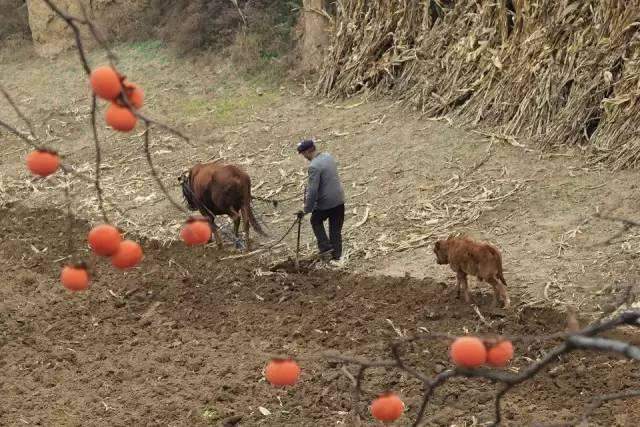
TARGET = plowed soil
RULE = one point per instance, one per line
(183, 341)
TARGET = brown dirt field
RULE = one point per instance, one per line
(182, 339)
(183, 336)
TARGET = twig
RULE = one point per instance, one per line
(70, 217)
(600, 400)
(18, 111)
(154, 173)
(583, 339)
(98, 160)
(627, 225)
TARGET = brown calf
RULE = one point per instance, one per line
(478, 259)
(221, 189)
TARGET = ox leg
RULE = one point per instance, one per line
(235, 216)
(236, 231)
(216, 233)
(246, 233)
(236, 227)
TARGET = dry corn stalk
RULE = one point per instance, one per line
(558, 71)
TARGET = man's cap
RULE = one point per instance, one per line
(305, 145)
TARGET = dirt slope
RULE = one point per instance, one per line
(98, 359)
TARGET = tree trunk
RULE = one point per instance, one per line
(315, 36)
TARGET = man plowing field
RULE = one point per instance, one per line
(324, 200)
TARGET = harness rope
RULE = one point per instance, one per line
(285, 234)
(275, 202)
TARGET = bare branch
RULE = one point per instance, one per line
(627, 225)
(600, 400)
(154, 173)
(582, 339)
(98, 160)
(18, 111)
(604, 344)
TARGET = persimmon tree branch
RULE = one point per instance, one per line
(31, 139)
(600, 400)
(627, 225)
(584, 339)
(76, 25)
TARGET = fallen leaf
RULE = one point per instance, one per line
(264, 411)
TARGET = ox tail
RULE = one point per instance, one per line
(248, 214)
(187, 191)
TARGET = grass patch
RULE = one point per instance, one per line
(210, 415)
(147, 47)
(230, 104)
(146, 50)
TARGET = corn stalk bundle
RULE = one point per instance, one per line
(557, 71)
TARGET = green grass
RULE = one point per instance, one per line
(231, 104)
(147, 47)
(210, 414)
(147, 50)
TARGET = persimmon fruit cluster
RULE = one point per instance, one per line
(109, 85)
(104, 240)
(472, 352)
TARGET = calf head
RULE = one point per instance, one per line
(441, 249)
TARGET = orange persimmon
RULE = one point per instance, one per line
(75, 278)
(196, 232)
(129, 254)
(43, 162)
(105, 82)
(120, 118)
(134, 93)
(387, 408)
(281, 372)
(468, 352)
(500, 354)
(104, 239)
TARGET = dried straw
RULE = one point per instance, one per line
(557, 71)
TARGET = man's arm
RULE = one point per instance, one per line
(312, 189)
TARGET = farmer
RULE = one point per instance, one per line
(324, 200)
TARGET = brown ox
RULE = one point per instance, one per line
(482, 260)
(221, 189)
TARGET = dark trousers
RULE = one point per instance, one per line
(336, 219)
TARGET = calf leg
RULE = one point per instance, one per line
(461, 277)
(499, 292)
